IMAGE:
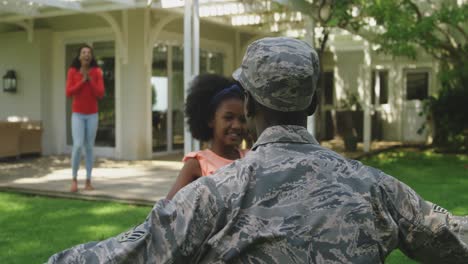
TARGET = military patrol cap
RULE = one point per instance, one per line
(280, 73)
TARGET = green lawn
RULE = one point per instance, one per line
(33, 228)
(439, 178)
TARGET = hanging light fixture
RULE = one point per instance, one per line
(9, 81)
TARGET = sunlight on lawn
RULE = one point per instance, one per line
(105, 210)
(100, 231)
(34, 228)
(10, 206)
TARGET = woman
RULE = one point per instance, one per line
(215, 113)
(86, 86)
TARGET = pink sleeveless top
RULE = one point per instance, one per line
(210, 161)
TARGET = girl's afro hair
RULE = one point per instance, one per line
(199, 107)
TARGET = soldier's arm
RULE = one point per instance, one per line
(427, 232)
(175, 231)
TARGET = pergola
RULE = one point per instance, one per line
(265, 17)
(261, 16)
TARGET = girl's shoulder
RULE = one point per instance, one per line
(201, 154)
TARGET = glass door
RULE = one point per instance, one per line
(104, 52)
(167, 84)
(159, 98)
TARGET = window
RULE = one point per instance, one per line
(211, 62)
(417, 85)
(382, 89)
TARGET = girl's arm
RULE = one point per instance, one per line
(190, 172)
(97, 82)
(74, 83)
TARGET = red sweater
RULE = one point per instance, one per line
(85, 94)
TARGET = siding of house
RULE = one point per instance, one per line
(32, 63)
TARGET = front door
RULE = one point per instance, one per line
(417, 83)
(104, 52)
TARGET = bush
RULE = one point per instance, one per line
(449, 112)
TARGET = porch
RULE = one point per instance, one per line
(134, 182)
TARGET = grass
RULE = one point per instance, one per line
(439, 178)
(33, 228)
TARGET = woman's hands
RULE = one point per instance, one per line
(85, 73)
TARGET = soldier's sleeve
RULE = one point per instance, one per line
(427, 232)
(175, 231)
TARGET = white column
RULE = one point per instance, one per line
(135, 93)
(367, 75)
(310, 29)
(196, 51)
(170, 107)
(191, 60)
(187, 67)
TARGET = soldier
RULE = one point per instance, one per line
(289, 200)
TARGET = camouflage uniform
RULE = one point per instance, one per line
(288, 201)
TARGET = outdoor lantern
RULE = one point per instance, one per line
(9, 81)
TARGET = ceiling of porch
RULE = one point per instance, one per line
(261, 16)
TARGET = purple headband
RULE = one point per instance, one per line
(233, 89)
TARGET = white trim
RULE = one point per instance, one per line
(173, 38)
(407, 104)
(121, 33)
(147, 56)
(62, 12)
(156, 29)
(366, 77)
(124, 2)
(25, 12)
(59, 4)
(28, 25)
(170, 106)
(188, 140)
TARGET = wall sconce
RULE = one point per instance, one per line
(9, 81)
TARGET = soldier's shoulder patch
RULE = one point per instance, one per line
(131, 236)
(436, 208)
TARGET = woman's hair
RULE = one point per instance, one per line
(205, 94)
(76, 61)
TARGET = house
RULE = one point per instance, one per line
(141, 47)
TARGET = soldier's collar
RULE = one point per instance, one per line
(285, 134)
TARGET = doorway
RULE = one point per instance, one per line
(104, 53)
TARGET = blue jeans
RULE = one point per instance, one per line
(84, 128)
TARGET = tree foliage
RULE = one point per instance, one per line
(403, 28)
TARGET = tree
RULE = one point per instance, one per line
(401, 28)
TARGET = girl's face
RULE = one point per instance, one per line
(86, 56)
(228, 123)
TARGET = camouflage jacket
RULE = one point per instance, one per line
(288, 201)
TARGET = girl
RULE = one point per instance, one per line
(215, 113)
(85, 85)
